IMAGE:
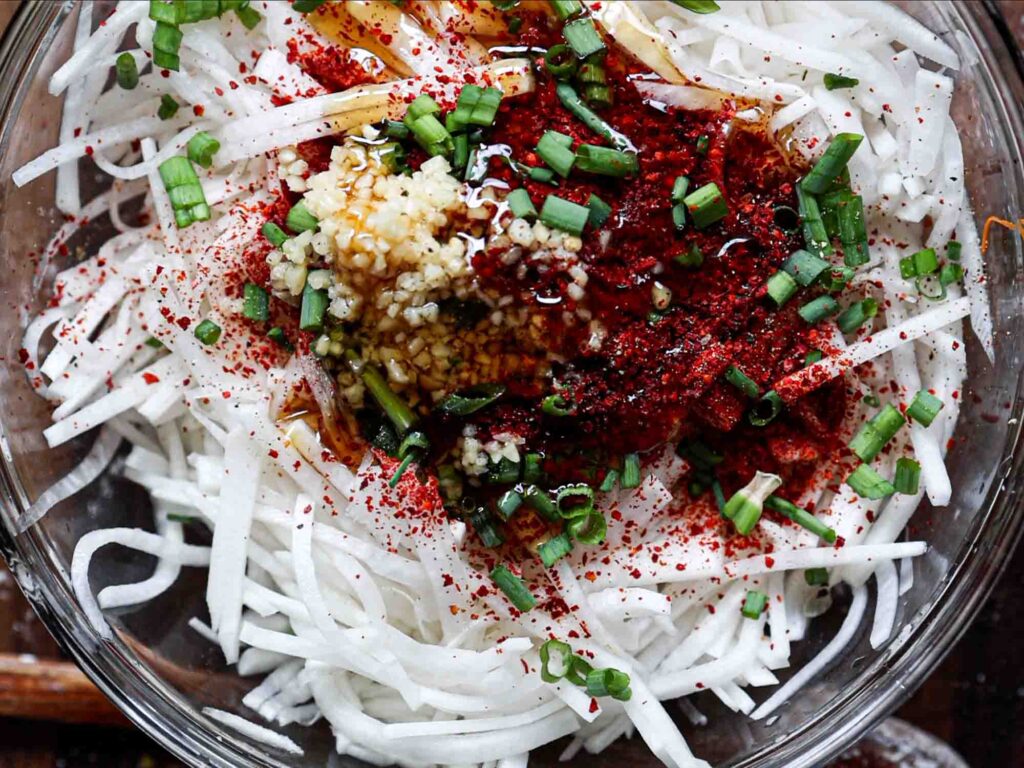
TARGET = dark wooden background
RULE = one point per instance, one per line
(974, 701)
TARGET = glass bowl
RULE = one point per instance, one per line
(161, 674)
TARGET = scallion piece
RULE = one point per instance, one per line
(813, 356)
(953, 250)
(424, 104)
(400, 414)
(805, 267)
(552, 149)
(590, 529)
(679, 216)
(556, 405)
(835, 82)
(566, 9)
(166, 44)
(412, 449)
(766, 409)
(508, 503)
(184, 191)
(611, 478)
(599, 211)
(533, 469)
(554, 549)
(560, 60)
(306, 6)
(816, 577)
(837, 278)
(854, 316)
(201, 149)
(703, 143)
(690, 258)
(754, 604)
(127, 71)
(395, 129)
(818, 309)
(606, 162)
(469, 96)
(735, 376)
(208, 332)
(255, 303)
(154, 342)
(564, 215)
(558, 652)
(583, 38)
(276, 335)
(630, 471)
(167, 12)
(745, 506)
(299, 219)
(908, 476)
(869, 484)
(924, 408)
(679, 189)
(572, 102)
(832, 163)
(924, 262)
(853, 233)
(486, 108)
(540, 501)
(829, 205)
(598, 96)
(700, 455)
(801, 517)
(485, 528)
(520, 204)
(513, 587)
(574, 500)
(781, 287)
(950, 273)
(503, 471)
(274, 234)
(432, 135)
(815, 234)
(609, 682)
(469, 401)
(706, 205)
(249, 17)
(314, 307)
(876, 432)
(543, 175)
(592, 72)
(168, 107)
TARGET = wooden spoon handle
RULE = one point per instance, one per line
(52, 690)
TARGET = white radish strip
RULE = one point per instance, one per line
(906, 575)
(886, 528)
(303, 514)
(230, 537)
(671, 685)
(820, 662)
(721, 622)
(449, 727)
(933, 94)
(886, 603)
(629, 26)
(108, 33)
(201, 629)
(254, 731)
(67, 197)
(682, 96)
(256, 661)
(904, 28)
(791, 113)
(975, 282)
(163, 578)
(272, 684)
(84, 473)
(800, 383)
(515, 761)
(133, 538)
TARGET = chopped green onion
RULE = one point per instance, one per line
(277, 336)
(703, 142)
(556, 405)
(815, 234)
(184, 191)
(953, 250)
(679, 217)
(698, 6)
(630, 470)
(572, 102)
(314, 307)
(176, 517)
(299, 219)
(716, 490)
(400, 414)
(869, 484)
(207, 332)
(835, 82)
(166, 44)
(816, 577)
(599, 211)
(167, 12)
(489, 534)
(201, 149)
(153, 342)
(754, 604)
(486, 108)
(805, 267)
(566, 9)
(766, 409)
(413, 447)
(854, 316)
(554, 549)
(541, 502)
(829, 205)
(560, 60)
(559, 651)
(837, 279)
(679, 188)
(700, 455)
(533, 469)
(513, 587)
(521, 205)
(553, 151)
(274, 234)
(591, 528)
(876, 432)
(606, 162)
(924, 262)
(801, 517)
(422, 105)
(781, 287)
(564, 215)
(813, 356)
(818, 309)
(469, 97)
(597, 95)
(786, 218)
(579, 668)
(255, 303)
(582, 36)
(950, 273)
(924, 408)
(610, 479)
(872, 400)
(249, 17)
(745, 506)
(853, 232)
(543, 175)
(832, 163)
(741, 381)
(503, 471)
(609, 682)
(127, 71)
(509, 502)
(908, 476)
(395, 129)
(470, 400)
(168, 107)
(432, 135)
(306, 6)
(691, 258)
(706, 205)
(592, 72)
(574, 500)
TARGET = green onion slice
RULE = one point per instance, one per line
(832, 163)
(765, 410)
(299, 219)
(834, 82)
(471, 400)
(574, 500)
(801, 517)
(745, 506)
(924, 408)
(127, 71)
(609, 682)
(208, 332)
(553, 150)
(255, 303)
(816, 577)
(606, 162)
(274, 234)
(564, 215)
(781, 287)
(560, 60)
(908, 476)
(558, 652)
(631, 470)
(876, 432)
(867, 483)
(854, 316)
(754, 604)
(599, 211)
(706, 205)
(201, 149)
(590, 528)
(554, 549)
(741, 381)
(583, 38)
(513, 587)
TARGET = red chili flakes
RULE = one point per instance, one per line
(150, 378)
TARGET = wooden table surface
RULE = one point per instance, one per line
(974, 701)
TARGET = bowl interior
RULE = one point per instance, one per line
(162, 673)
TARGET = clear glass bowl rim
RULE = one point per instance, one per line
(881, 687)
